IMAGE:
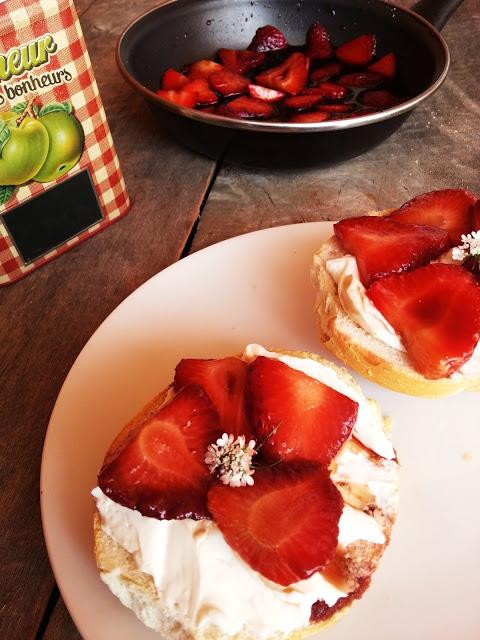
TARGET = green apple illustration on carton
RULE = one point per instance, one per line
(40, 144)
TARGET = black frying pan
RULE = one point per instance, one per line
(180, 31)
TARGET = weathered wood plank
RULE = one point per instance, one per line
(436, 148)
(46, 319)
(61, 626)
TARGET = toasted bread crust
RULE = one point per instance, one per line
(362, 352)
(136, 590)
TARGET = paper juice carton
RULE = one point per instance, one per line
(60, 180)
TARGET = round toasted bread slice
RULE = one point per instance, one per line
(357, 561)
(361, 351)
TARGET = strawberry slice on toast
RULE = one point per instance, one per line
(285, 526)
(474, 215)
(296, 416)
(447, 209)
(383, 246)
(159, 469)
(224, 383)
(436, 311)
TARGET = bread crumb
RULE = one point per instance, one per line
(467, 457)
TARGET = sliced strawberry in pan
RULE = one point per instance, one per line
(294, 415)
(346, 107)
(361, 79)
(331, 91)
(378, 99)
(383, 246)
(436, 311)
(228, 83)
(326, 72)
(285, 526)
(447, 209)
(302, 102)
(311, 117)
(318, 45)
(357, 52)
(205, 96)
(173, 80)
(224, 382)
(262, 93)
(386, 66)
(268, 38)
(290, 77)
(159, 470)
(202, 69)
(240, 61)
(246, 108)
(182, 98)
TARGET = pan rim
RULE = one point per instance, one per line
(284, 127)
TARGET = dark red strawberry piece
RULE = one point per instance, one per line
(357, 52)
(268, 38)
(383, 246)
(262, 93)
(202, 69)
(173, 80)
(379, 99)
(326, 72)
(312, 117)
(296, 416)
(318, 45)
(302, 102)
(228, 83)
(337, 108)
(386, 66)
(223, 381)
(245, 108)
(285, 526)
(159, 470)
(447, 209)
(331, 91)
(182, 98)
(290, 77)
(436, 311)
(240, 61)
(475, 216)
(361, 79)
(205, 96)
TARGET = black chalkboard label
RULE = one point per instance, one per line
(50, 219)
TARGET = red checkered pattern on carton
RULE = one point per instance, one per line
(59, 19)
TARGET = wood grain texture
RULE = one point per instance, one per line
(436, 148)
(60, 626)
(49, 315)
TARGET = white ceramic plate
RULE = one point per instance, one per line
(255, 288)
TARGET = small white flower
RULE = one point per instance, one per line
(231, 460)
(470, 247)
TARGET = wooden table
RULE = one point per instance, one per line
(182, 203)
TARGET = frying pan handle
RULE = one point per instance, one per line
(437, 11)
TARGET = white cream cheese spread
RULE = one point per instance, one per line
(199, 575)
